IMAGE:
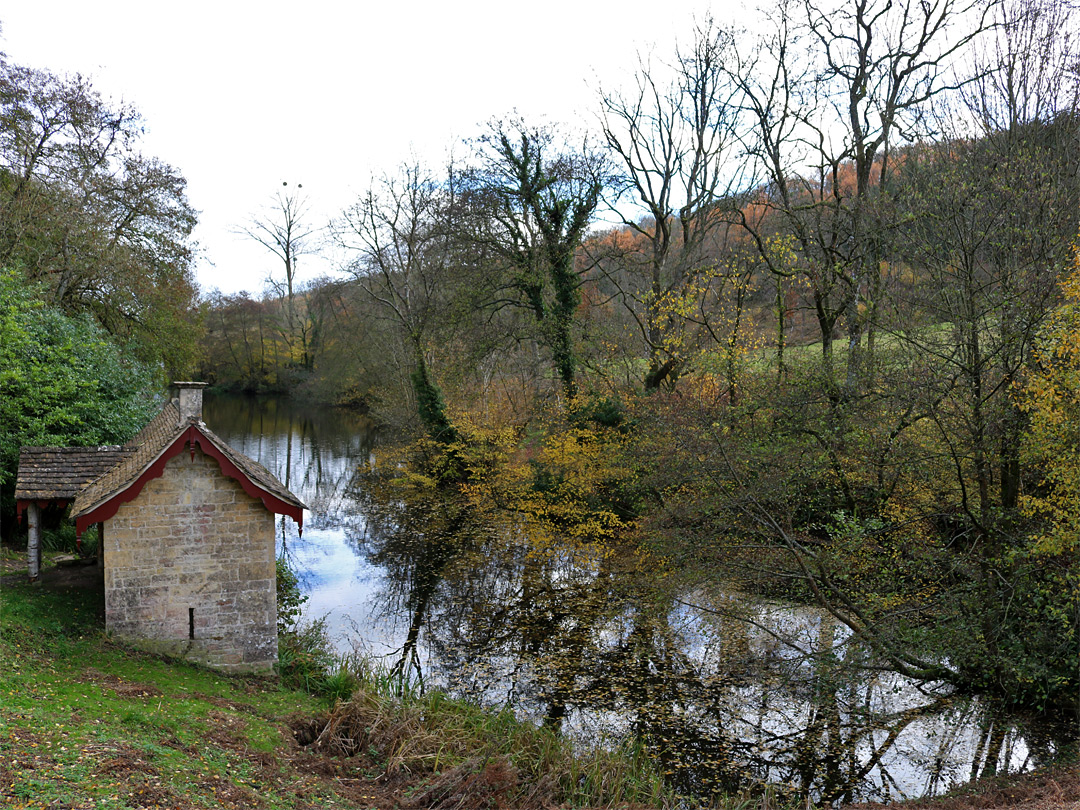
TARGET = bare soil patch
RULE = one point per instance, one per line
(81, 574)
(119, 686)
(121, 760)
(224, 703)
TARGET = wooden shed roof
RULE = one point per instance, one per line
(60, 473)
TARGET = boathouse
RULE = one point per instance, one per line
(186, 534)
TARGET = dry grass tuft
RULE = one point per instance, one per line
(474, 783)
(471, 757)
(373, 724)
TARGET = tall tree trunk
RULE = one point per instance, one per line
(429, 401)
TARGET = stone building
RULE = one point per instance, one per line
(186, 535)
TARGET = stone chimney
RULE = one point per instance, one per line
(189, 401)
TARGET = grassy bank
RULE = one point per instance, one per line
(87, 722)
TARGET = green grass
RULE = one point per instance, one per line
(87, 722)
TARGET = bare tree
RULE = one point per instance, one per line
(400, 236)
(673, 137)
(993, 212)
(282, 230)
(831, 91)
(1030, 69)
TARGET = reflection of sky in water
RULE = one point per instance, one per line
(342, 589)
(929, 752)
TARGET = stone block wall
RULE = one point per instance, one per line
(190, 569)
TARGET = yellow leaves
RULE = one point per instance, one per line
(555, 490)
(705, 312)
(415, 480)
(781, 252)
(1051, 397)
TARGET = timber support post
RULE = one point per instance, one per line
(33, 540)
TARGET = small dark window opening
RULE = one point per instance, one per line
(191, 622)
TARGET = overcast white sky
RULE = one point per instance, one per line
(242, 96)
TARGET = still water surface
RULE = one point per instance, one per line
(724, 690)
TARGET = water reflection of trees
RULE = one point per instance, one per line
(413, 542)
(724, 697)
(723, 691)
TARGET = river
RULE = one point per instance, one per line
(724, 690)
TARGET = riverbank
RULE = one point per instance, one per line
(86, 722)
(1054, 789)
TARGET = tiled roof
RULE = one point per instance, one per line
(91, 476)
(164, 424)
(253, 469)
(151, 442)
(142, 450)
(59, 473)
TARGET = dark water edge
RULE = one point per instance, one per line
(725, 690)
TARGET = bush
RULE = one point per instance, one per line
(62, 381)
(307, 661)
(289, 599)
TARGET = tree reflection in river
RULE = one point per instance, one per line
(414, 542)
(318, 451)
(313, 451)
(725, 691)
